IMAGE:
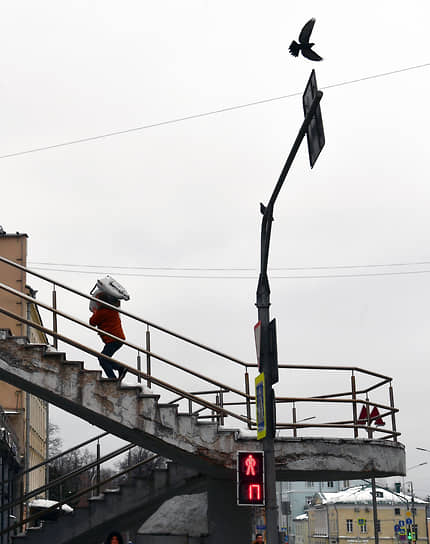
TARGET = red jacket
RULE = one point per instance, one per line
(107, 320)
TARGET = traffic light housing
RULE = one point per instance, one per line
(250, 478)
(409, 534)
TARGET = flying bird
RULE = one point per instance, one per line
(304, 45)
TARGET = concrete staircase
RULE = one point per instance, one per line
(139, 418)
(131, 503)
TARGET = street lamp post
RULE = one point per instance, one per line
(268, 349)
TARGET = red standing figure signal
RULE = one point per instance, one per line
(250, 478)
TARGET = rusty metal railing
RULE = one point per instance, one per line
(205, 397)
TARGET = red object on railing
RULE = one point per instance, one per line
(373, 414)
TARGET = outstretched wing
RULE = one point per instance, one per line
(311, 55)
(306, 32)
(294, 48)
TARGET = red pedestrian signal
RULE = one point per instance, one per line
(250, 478)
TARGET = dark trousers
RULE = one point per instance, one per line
(109, 366)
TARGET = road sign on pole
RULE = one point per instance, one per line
(315, 132)
(260, 405)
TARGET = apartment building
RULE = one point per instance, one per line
(347, 516)
(26, 414)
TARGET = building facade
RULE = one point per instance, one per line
(27, 414)
(347, 517)
(295, 497)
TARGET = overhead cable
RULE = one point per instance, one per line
(204, 114)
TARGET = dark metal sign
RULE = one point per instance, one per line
(315, 132)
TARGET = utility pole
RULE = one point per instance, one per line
(375, 511)
(312, 127)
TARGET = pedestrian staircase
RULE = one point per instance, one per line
(126, 505)
(140, 418)
(188, 426)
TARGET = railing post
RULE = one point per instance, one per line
(98, 469)
(393, 415)
(139, 367)
(54, 316)
(354, 404)
(221, 405)
(148, 356)
(248, 402)
(369, 431)
(21, 506)
(294, 420)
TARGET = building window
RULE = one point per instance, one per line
(349, 525)
(330, 484)
(346, 483)
(363, 527)
(397, 511)
(309, 484)
(380, 494)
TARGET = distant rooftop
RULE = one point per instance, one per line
(363, 495)
(5, 234)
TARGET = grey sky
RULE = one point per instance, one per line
(187, 194)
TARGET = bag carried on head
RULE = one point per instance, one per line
(110, 291)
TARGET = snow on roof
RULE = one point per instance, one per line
(301, 517)
(45, 503)
(363, 494)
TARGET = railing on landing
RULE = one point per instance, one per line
(206, 397)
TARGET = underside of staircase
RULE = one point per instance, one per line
(140, 418)
(121, 507)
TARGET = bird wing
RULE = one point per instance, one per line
(306, 32)
(294, 48)
(311, 55)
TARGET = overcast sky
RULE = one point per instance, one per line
(186, 194)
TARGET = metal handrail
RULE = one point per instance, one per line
(68, 476)
(123, 312)
(130, 369)
(77, 495)
(95, 329)
(54, 458)
(218, 408)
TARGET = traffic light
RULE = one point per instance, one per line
(250, 478)
(409, 534)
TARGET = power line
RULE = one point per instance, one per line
(183, 276)
(204, 114)
(231, 269)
